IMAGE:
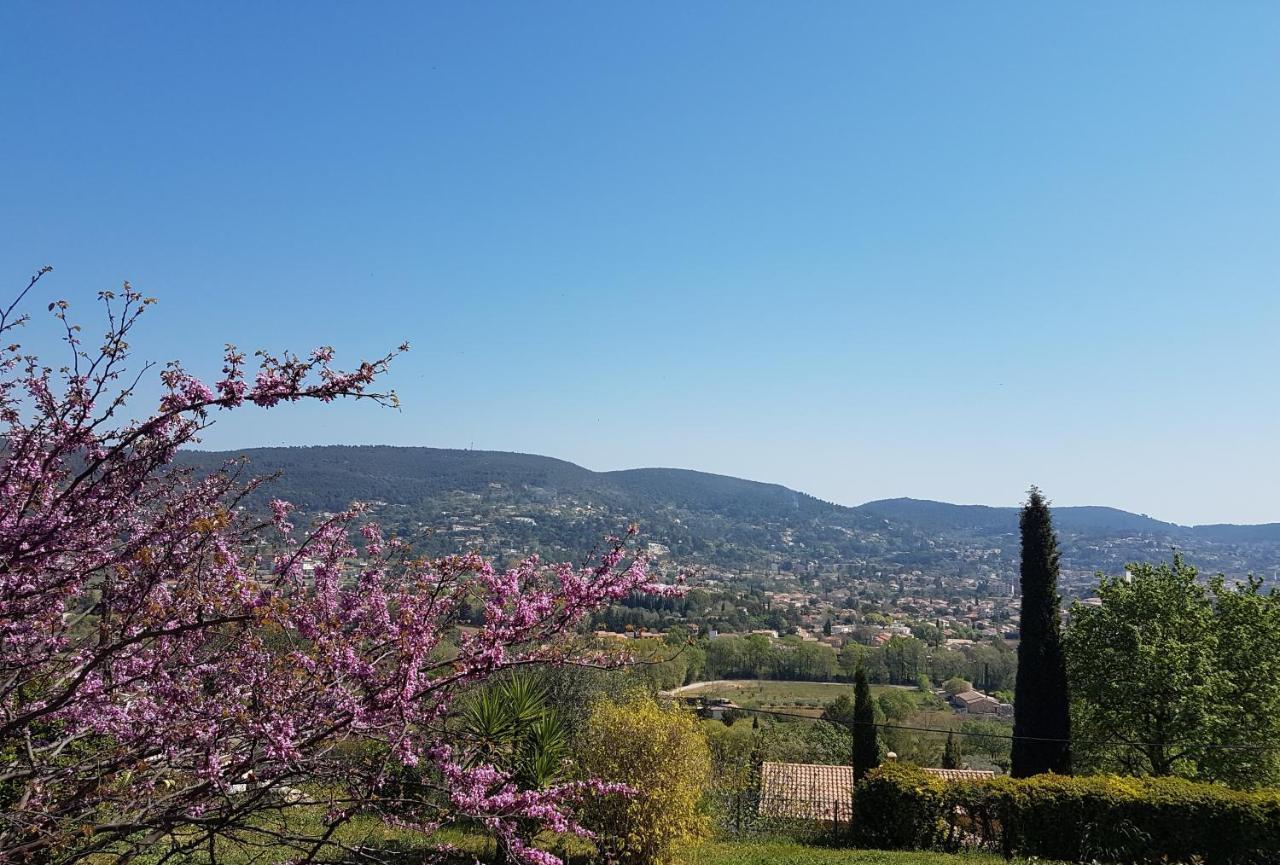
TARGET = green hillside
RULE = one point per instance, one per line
(508, 503)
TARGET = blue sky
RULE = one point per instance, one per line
(937, 250)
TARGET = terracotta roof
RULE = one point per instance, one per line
(811, 791)
(806, 791)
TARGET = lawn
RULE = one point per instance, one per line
(411, 847)
(790, 853)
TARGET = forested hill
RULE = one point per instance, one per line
(330, 477)
(983, 520)
(506, 503)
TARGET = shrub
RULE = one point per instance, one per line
(899, 807)
(1103, 818)
(661, 753)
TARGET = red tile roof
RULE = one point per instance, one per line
(811, 791)
(806, 791)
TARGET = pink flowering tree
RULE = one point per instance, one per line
(175, 672)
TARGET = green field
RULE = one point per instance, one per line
(759, 693)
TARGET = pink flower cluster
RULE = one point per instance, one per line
(167, 660)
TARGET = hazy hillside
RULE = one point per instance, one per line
(508, 503)
(980, 519)
(941, 516)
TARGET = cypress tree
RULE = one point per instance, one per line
(866, 753)
(1041, 706)
(951, 754)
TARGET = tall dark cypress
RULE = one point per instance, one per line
(951, 753)
(1041, 704)
(866, 752)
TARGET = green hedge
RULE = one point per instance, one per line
(1102, 818)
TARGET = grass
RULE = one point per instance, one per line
(790, 853)
(762, 693)
(307, 821)
(408, 846)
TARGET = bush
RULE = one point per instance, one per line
(660, 752)
(1103, 818)
(899, 807)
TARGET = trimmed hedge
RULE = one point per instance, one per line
(1103, 818)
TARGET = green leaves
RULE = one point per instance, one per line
(510, 727)
(1180, 676)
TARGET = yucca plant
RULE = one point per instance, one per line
(510, 726)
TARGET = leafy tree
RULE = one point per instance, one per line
(807, 742)
(866, 750)
(171, 664)
(839, 712)
(897, 705)
(956, 685)
(759, 656)
(992, 666)
(947, 664)
(726, 657)
(987, 739)
(1042, 720)
(661, 754)
(1199, 695)
(904, 658)
(660, 664)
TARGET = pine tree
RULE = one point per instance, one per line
(1042, 721)
(951, 753)
(866, 752)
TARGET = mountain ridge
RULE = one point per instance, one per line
(896, 504)
(508, 501)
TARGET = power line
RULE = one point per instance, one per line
(1011, 737)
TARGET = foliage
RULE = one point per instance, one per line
(987, 739)
(904, 660)
(839, 712)
(951, 753)
(866, 750)
(956, 685)
(806, 742)
(756, 657)
(1200, 691)
(1043, 720)
(1093, 818)
(510, 727)
(896, 704)
(659, 752)
(899, 807)
(171, 666)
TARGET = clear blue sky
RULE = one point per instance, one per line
(936, 250)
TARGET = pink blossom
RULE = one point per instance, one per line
(219, 655)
